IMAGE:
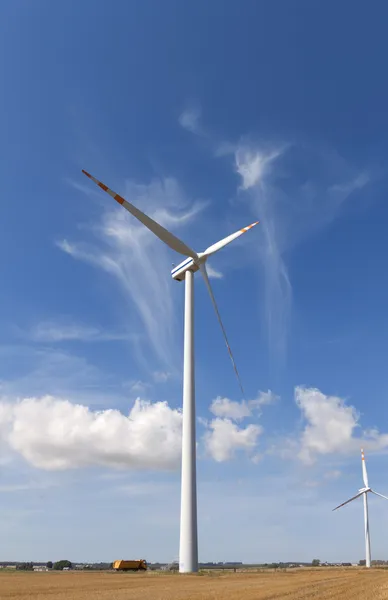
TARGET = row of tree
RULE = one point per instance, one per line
(57, 566)
(26, 566)
(61, 564)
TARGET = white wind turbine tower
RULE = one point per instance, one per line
(188, 548)
(364, 493)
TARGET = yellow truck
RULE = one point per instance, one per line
(130, 565)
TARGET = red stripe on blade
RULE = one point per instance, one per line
(119, 199)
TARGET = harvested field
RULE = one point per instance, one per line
(303, 584)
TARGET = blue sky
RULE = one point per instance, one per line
(207, 117)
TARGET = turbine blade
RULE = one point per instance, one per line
(377, 494)
(364, 473)
(218, 245)
(350, 500)
(162, 233)
(210, 290)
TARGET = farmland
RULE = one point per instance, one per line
(297, 584)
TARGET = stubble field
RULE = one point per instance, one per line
(303, 584)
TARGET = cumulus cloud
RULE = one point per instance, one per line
(264, 398)
(225, 408)
(332, 426)
(330, 423)
(137, 260)
(224, 438)
(54, 434)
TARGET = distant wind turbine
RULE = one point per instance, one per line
(188, 550)
(364, 492)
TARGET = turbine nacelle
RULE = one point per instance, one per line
(188, 264)
(193, 263)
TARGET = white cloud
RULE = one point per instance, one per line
(45, 370)
(25, 486)
(224, 438)
(189, 119)
(138, 261)
(213, 273)
(287, 217)
(348, 187)
(223, 407)
(332, 427)
(53, 331)
(161, 376)
(252, 165)
(277, 290)
(310, 483)
(136, 387)
(330, 423)
(54, 434)
(149, 489)
(264, 398)
(334, 474)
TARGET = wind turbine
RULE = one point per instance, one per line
(364, 492)
(188, 547)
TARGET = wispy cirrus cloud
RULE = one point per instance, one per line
(161, 376)
(25, 486)
(212, 272)
(35, 370)
(62, 331)
(189, 119)
(295, 191)
(332, 475)
(137, 260)
(253, 165)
